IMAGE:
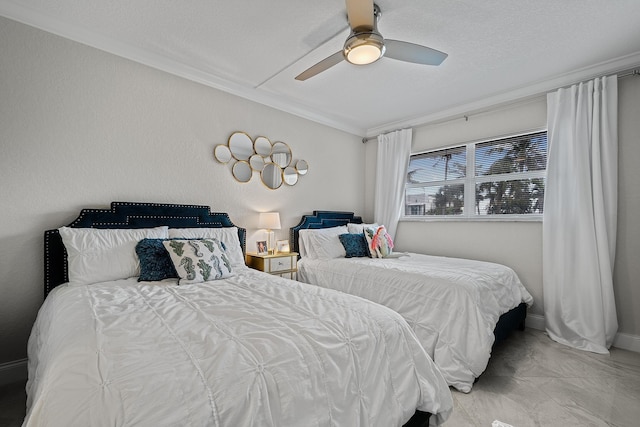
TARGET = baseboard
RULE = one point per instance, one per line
(12, 372)
(627, 342)
(534, 321)
(622, 340)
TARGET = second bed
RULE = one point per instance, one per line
(457, 307)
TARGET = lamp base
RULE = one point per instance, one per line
(270, 239)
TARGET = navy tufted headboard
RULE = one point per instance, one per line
(321, 219)
(128, 215)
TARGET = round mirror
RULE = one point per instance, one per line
(281, 154)
(241, 171)
(290, 175)
(262, 146)
(272, 176)
(240, 145)
(257, 162)
(302, 167)
(222, 153)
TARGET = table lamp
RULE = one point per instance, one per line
(269, 221)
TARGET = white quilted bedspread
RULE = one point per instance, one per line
(250, 350)
(452, 304)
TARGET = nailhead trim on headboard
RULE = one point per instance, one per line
(129, 215)
(321, 219)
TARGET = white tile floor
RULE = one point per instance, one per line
(534, 381)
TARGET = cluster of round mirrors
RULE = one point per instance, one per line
(273, 161)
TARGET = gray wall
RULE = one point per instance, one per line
(81, 128)
(503, 241)
(626, 273)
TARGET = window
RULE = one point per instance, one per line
(481, 179)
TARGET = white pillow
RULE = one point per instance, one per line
(97, 255)
(324, 243)
(227, 235)
(359, 228)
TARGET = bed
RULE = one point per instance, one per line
(458, 308)
(244, 349)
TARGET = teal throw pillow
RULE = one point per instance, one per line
(155, 262)
(354, 244)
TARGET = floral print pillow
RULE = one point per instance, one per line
(379, 241)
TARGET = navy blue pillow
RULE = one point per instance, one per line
(155, 261)
(354, 244)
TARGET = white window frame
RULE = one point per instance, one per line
(470, 181)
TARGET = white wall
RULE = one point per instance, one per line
(626, 273)
(81, 128)
(519, 244)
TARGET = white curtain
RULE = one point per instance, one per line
(394, 149)
(579, 228)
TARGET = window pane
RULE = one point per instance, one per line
(523, 153)
(440, 165)
(524, 196)
(434, 200)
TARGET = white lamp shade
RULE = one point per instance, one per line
(269, 220)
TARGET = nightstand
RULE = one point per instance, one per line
(283, 264)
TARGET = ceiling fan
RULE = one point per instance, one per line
(366, 45)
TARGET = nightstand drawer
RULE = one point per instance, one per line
(278, 264)
(281, 264)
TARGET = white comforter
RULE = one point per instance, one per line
(452, 304)
(251, 350)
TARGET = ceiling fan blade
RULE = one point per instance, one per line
(321, 66)
(360, 14)
(410, 52)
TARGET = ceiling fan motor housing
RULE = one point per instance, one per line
(365, 44)
(364, 47)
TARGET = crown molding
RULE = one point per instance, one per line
(25, 15)
(85, 36)
(523, 93)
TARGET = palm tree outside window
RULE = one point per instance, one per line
(499, 177)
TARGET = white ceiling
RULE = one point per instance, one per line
(499, 50)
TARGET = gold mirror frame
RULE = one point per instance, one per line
(241, 171)
(262, 146)
(257, 162)
(271, 176)
(281, 154)
(290, 175)
(240, 145)
(302, 167)
(222, 153)
(273, 161)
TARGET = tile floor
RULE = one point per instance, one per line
(534, 381)
(530, 381)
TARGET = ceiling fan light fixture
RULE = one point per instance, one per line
(364, 48)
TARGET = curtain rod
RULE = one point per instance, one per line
(369, 138)
(635, 72)
(632, 72)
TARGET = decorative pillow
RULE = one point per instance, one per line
(354, 244)
(228, 236)
(324, 243)
(98, 255)
(359, 228)
(379, 242)
(198, 260)
(155, 262)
